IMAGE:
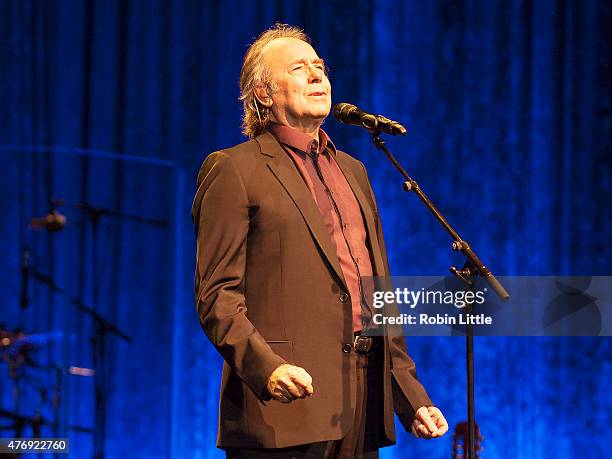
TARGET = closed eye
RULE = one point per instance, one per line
(301, 66)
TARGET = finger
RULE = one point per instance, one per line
(296, 391)
(429, 423)
(281, 397)
(281, 391)
(303, 380)
(286, 382)
(292, 389)
(439, 419)
(301, 377)
(424, 432)
(284, 399)
(300, 384)
(308, 389)
(442, 425)
(307, 377)
(435, 413)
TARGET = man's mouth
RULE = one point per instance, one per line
(317, 93)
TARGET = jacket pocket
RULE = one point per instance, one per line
(284, 348)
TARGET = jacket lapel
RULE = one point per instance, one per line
(287, 174)
(368, 214)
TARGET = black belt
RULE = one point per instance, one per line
(364, 344)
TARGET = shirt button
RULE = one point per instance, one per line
(344, 297)
(347, 347)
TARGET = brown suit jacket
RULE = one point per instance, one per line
(268, 287)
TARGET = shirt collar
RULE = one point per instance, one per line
(301, 141)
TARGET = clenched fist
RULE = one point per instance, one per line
(288, 383)
(429, 423)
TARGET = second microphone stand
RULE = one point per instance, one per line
(102, 328)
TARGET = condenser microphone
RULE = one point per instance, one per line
(376, 124)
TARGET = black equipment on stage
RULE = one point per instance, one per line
(17, 348)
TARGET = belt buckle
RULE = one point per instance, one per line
(362, 344)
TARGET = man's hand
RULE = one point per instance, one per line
(429, 423)
(289, 382)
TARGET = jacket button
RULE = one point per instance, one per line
(347, 347)
(344, 297)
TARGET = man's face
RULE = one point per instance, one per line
(303, 92)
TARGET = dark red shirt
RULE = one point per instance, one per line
(315, 160)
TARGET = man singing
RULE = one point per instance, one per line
(287, 229)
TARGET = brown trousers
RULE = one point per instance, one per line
(360, 442)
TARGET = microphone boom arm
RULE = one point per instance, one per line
(475, 265)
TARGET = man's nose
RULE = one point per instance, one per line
(315, 75)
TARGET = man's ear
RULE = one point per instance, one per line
(262, 96)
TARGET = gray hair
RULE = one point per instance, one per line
(256, 117)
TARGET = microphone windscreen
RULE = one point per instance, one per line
(342, 112)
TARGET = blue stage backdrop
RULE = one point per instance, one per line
(507, 104)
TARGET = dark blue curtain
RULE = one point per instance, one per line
(116, 103)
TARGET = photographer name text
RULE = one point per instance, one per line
(433, 319)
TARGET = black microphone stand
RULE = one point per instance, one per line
(102, 327)
(98, 340)
(472, 267)
(24, 298)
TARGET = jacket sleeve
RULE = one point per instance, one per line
(220, 214)
(408, 393)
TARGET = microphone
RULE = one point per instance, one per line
(52, 222)
(376, 124)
